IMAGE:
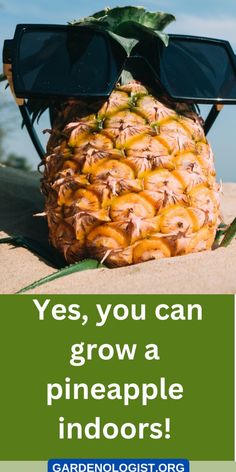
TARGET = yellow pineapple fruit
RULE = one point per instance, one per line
(129, 180)
(128, 188)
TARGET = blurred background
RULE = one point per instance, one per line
(213, 18)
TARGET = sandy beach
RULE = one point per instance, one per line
(20, 199)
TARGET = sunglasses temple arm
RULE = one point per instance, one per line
(30, 128)
(211, 117)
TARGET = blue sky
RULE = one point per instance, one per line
(213, 18)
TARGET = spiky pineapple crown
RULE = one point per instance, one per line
(128, 25)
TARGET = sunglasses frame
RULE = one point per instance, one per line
(14, 45)
(10, 53)
(232, 57)
(20, 29)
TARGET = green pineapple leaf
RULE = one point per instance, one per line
(139, 32)
(153, 20)
(86, 264)
(229, 234)
(130, 22)
(112, 18)
(101, 13)
(127, 43)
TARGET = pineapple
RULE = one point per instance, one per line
(131, 179)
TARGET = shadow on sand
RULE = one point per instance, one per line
(20, 200)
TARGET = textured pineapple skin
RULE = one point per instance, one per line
(129, 180)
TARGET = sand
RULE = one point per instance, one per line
(20, 199)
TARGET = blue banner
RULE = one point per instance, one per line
(118, 465)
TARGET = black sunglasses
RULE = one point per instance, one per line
(55, 61)
(75, 61)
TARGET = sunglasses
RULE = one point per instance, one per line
(56, 61)
(75, 61)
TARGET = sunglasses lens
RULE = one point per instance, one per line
(67, 61)
(197, 69)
